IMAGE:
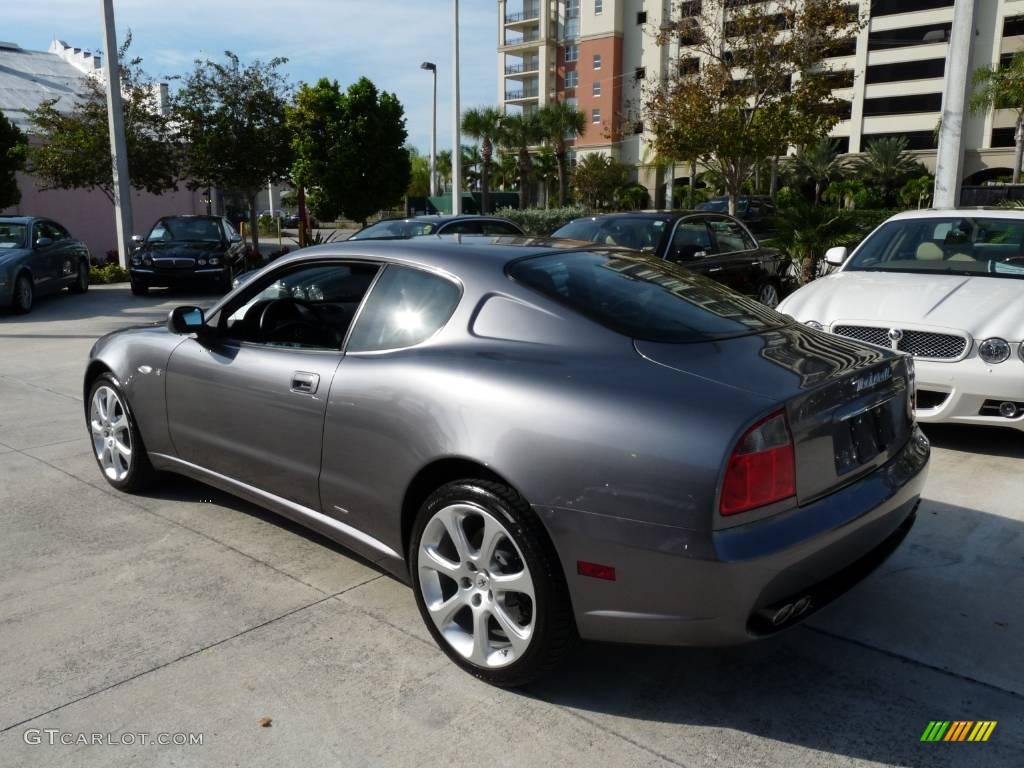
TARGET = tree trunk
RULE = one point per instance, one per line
(524, 179)
(485, 193)
(254, 224)
(563, 176)
(817, 192)
(302, 216)
(773, 182)
(1018, 149)
(693, 183)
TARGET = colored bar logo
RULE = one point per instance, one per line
(958, 730)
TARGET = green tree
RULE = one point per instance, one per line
(484, 125)
(886, 166)
(597, 178)
(470, 168)
(444, 168)
(1003, 88)
(232, 118)
(519, 132)
(561, 123)
(506, 171)
(817, 164)
(350, 146)
(805, 232)
(12, 160)
(547, 171)
(73, 148)
(917, 193)
(419, 174)
(783, 97)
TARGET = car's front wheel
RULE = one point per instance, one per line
(117, 444)
(139, 289)
(24, 294)
(81, 284)
(488, 583)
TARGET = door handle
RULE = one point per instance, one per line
(305, 383)
(715, 269)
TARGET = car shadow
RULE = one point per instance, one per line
(989, 441)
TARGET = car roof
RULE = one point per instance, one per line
(443, 218)
(18, 219)
(657, 215)
(189, 216)
(945, 213)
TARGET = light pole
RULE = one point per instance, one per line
(456, 115)
(433, 130)
(115, 119)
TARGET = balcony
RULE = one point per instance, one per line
(529, 13)
(529, 36)
(526, 67)
(521, 94)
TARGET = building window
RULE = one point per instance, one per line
(640, 73)
(638, 128)
(595, 116)
(571, 30)
(572, 158)
(903, 105)
(572, 9)
(598, 7)
(597, 61)
(641, 17)
(572, 79)
(597, 87)
(907, 36)
(887, 7)
(571, 101)
(915, 139)
(572, 53)
(906, 70)
(689, 66)
(1013, 26)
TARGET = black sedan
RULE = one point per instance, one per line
(713, 244)
(401, 229)
(187, 249)
(38, 256)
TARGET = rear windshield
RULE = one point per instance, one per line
(643, 297)
(395, 229)
(627, 231)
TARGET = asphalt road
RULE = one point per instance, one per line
(188, 611)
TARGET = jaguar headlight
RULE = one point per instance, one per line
(136, 260)
(201, 262)
(147, 260)
(994, 350)
(214, 261)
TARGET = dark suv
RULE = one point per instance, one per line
(187, 249)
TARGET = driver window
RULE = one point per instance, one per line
(691, 237)
(308, 307)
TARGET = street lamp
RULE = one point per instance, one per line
(433, 131)
(456, 116)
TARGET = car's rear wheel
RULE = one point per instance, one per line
(117, 444)
(769, 295)
(488, 583)
(24, 294)
(81, 284)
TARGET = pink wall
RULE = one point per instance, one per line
(89, 216)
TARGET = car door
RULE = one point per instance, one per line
(64, 254)
(247, 399)
(42, 261)
(693, 246)
(736, 254)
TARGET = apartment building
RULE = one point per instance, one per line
(598, 53)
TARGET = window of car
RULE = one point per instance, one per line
(308, 306)
(461, 227)
(186, 229)
(643, 297)
(969, 245)
(730, 236)
(53, 230)
(229, 230)
(12, 235)
(37, 231)
(406, 307)
(391, 229)
(636, 232)
(492, 227)
(690, 239)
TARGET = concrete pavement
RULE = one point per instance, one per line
(189, 611)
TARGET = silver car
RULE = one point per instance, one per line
(550, 441)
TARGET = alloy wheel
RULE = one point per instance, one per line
(111, 433)
(476, 585)
(769, 295)
(23, 290)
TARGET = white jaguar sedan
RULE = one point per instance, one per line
(946, 286)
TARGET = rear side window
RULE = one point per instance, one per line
(499, 228)
(405, 307)
(644, 298)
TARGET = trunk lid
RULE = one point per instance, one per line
(848, 403)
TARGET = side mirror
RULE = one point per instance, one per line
(182, 320)
(699, 254)
(837, 255)
(235, 238)
(137, 239)
(42, 242)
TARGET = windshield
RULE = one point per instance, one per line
(957, 245)
(395, 229)
(721, 205)
(626, 231)
(643, 297)
(186, 230)
(12, 235)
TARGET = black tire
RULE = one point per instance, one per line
(139, 289)
(140, 473)
(769, 293)
(81, 284)
(554, 629)
(24, 294)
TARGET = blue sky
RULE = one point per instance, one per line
(386, 40)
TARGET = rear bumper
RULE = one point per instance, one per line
(680, 587)
(162, 278)
(967, 385)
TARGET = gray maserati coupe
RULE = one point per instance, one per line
(549, 440)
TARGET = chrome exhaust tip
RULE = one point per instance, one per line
(801, 606)
(782, 615)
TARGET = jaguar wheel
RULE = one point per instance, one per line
(81, 284)
(24, 294)
(488, 583)
(769, 295)
(117, 444)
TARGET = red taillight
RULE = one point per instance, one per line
(595, 570)
(762, 468)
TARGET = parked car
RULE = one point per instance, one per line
(946, 287)
(756, 212)
(187, 250)
(715, 245)
(547, 441)
(291, 220)
(38, 256)
(397, 229)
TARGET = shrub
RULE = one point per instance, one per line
(268, 225)
(540, 221)
(109, 273)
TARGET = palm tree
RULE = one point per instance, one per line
(1003, 88)
(545, 168)
(519, 132)
(506, 170)
(819, 163)
(443, 166)
(562, 122)
(806, 231)
(886, 166)
(470, 164)
(484, 125)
